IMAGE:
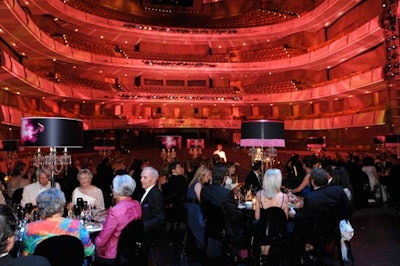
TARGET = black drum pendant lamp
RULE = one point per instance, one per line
(260, 134)
(52, 133)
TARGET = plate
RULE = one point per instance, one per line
(96, 227)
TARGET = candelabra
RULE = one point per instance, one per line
(52, 163)
(51, 132)
(105, 146)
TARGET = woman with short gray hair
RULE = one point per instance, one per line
(125, 210)
(51, 203)
(123, 185)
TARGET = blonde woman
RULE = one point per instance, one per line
(194, 216)
(92, 194)
(270, 196)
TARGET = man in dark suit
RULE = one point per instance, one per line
(253, 179)
(174, 191)
(215, 194)
(153, 212)
(317, 224)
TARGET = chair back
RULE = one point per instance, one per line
(62, 250)
(17, 196)
(273, 224)
(214, 220)
(129, 248)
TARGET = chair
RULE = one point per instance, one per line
(17, 196)
(272, 230)
(63, 250)
(215, 230)
(327, 243)
(129, 248)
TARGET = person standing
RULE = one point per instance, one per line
(174, 191)
(220, 153)
(153, 213)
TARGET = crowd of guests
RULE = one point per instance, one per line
(191, 193)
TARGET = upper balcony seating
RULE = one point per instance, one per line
(251, 18)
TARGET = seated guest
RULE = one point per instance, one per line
(18, 179)
(305, 187)
(215, 194)
(253, 179)
(195, 218)
(270, 196)
(92, 194)
(8, 225)
(2, 198)
(125, 210)
(231, 177)
(31, 191)
(317, 223)
(51, 203)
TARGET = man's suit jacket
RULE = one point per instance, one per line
(253, 181)
(217, 194)
(31, 260)
(323, 209)
(153, 212)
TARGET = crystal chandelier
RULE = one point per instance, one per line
(52, 163)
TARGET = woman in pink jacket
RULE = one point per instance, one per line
(125, 210)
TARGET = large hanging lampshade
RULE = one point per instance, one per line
(51, 132)
(262, 133)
